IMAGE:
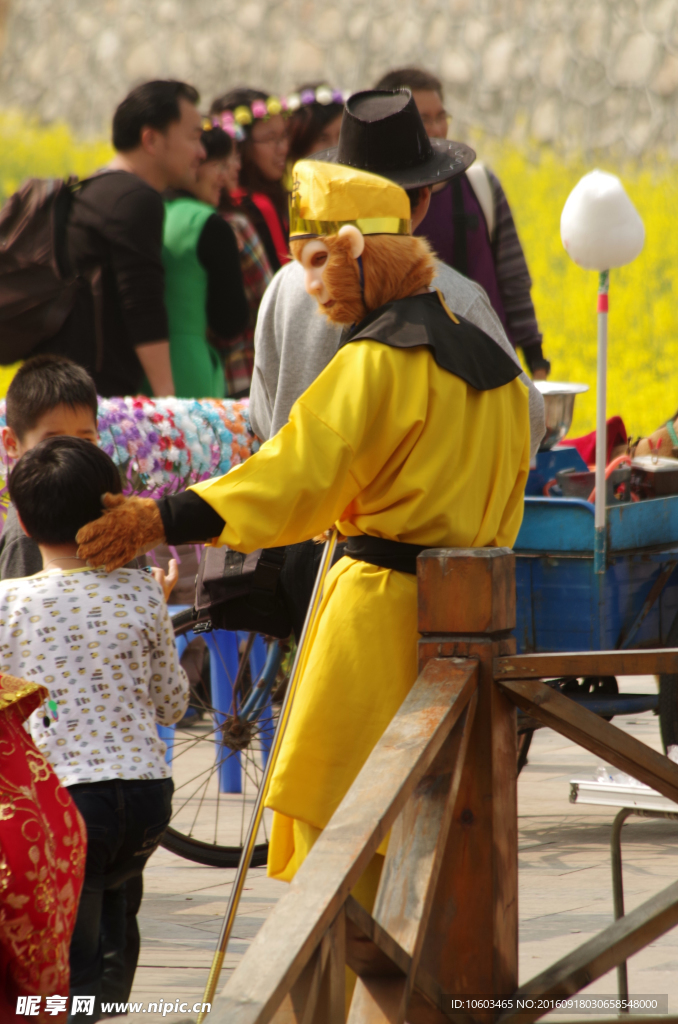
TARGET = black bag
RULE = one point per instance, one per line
(268, 591)
(239, 591)
(37, 287)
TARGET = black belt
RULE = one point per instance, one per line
(388, 554)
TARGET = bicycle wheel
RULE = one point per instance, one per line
(219, 750)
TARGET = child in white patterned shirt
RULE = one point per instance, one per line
(103, 646)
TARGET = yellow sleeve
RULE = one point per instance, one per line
(300, 481)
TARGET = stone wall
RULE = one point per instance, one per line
(579, 73)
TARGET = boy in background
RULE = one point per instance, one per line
(103, 645)
(49, 396)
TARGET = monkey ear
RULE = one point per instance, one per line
(356, 239)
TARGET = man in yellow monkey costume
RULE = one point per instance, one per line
(415, 435)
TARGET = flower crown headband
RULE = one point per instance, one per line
(227, 123)
(323, 95)
(234, 121)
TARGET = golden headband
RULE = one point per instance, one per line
(327, 196)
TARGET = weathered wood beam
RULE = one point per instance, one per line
(409, 878)
(600, 954)
(579, 724)
(586, 663)
(372, 953)
(403, 755)
(333, 997)
(301, 1000)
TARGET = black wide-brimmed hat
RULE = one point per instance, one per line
(383, 132)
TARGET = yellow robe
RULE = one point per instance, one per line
(384, 442)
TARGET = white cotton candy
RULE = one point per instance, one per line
(600, 227)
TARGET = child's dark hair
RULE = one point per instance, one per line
(41, 384)
(217, 143)
(57, 487)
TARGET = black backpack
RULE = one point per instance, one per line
(267, 591)
(37, 286)
(239, 591)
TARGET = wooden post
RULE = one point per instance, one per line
(467, 609)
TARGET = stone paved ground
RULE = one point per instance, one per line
(565, 889)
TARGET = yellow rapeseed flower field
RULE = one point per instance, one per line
(643, 323)
(643, 319)
(30, 150)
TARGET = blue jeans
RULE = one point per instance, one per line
(125, 820)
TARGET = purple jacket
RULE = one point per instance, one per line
(499, 265)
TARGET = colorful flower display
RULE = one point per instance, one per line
(163, 445)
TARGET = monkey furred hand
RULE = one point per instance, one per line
(393, 267)
(128, 526)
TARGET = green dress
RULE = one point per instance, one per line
(196, 366)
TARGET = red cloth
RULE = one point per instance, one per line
(586, 445)
(43, 844)
(269, 213)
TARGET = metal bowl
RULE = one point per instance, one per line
(558, 408)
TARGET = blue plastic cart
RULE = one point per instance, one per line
(564, 604)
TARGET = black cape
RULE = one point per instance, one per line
(456, 344)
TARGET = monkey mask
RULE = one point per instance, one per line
(350, 230)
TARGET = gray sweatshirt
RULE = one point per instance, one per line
(19, 555)
(294, 342)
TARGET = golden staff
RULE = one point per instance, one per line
(258, 812)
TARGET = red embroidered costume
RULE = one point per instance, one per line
(42, 861)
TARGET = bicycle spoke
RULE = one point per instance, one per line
(195, 817)
(256, 785)
(216, 816)
(243, 804)
(223, 665)
(253, 781)
(199, 739)
(202, 798)
(211, 769)
(242, 668)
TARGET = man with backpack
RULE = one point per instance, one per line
(470, 226)
(81, 271)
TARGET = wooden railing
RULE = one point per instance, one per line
(442, 779)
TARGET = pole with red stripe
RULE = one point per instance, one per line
(601, 424)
